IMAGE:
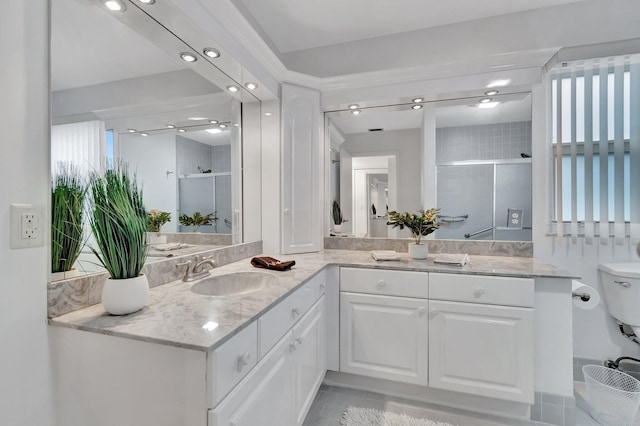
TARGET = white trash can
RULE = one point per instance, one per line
(614, 396)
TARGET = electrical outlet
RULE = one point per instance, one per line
(26, 231)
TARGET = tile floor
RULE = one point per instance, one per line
(331, 402)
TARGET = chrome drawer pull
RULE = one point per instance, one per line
(298, 340)
(243, 360)
(625, 284)
(479, 292)
(295, 312)
(381, 284)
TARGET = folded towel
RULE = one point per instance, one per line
(271, 263)
(384, 255)
(170, 246)
(452, 259)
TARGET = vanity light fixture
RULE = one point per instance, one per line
(144, 134)
(251, 86)
(188, 57)
(485, 100)
(418, 106)
(355, 111)
(131, 130)
(213, 130)
(211, 52)
(114, 5)
(491, 92)
(222, 125)
(353, 106)
(488, 105)
(181, 130)
(197, 118)
(213, 121)
(170, 126)
(417, 100)
(232, 88)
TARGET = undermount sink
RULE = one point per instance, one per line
(233, 284)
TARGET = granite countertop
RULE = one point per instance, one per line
(174, 315)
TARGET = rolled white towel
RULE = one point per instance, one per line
(384, 255)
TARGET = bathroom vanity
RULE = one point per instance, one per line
(486, 337)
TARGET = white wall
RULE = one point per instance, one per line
(25, 383)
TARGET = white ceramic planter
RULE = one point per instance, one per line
(121, 297)
(337, 228)
(418, 251)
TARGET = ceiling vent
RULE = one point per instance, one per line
(376, 130)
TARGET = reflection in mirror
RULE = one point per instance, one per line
(482, 158)
(121, 91)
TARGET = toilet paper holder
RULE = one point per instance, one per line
(585, 297)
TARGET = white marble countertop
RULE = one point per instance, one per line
(175, 315)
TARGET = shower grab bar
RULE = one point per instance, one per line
(452, 219)
(473, 234)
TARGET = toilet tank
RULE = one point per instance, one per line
(621, 288)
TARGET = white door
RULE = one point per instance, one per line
(264, 397)
(384, 337)
(302, 161)
(310, 358)
(485, 350)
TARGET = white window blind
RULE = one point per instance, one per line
(82, 144)
(595, 136)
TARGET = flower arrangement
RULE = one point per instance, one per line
(155, 220)
(420, 224)
(197, 220)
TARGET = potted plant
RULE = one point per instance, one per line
(197, 220)
(67, 207)
(420, 224)
(155, 220)
(337, 217)
(119, 222)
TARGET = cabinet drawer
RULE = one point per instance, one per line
(231, 362)
(385, 282)
(490, 290)
(279, 319)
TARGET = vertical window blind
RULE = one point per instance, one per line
(82, 144)
(595, 136)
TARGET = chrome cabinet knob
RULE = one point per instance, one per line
(295, 312)
(479, 292)
(381, 284)
(243, 360)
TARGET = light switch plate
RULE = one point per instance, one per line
(27, 226)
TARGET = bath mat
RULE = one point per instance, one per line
(355, 416)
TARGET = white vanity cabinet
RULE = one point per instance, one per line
(481, 335)
(383, 335)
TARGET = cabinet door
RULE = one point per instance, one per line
(309, 340)
(384, 337)
(264, 397)
(302, 158)
(485, 350)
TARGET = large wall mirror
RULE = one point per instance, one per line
(482, 166)
(121, 90)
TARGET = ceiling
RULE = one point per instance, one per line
(293, 25)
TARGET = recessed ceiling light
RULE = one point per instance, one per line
(222, 126)
(232, 88)
(131, 130)
(268, 114)
(213, 130)
(485, 100)
(353, 106)
(213, 121)
(416, 106)
(114, 5)
(355, 112)
(251, 86)
(181, 130)
(236, 125)
(211, 52)
(491, 92)
(416, 100)
(488, 105)
(197, 118)
(499, 83)
(188, 57)
(144, 134)
(170, 126)
(147, 1)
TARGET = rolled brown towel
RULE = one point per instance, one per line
(271, 263)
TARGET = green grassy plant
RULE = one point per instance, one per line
(119, 221)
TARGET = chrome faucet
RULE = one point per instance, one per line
(197, 272)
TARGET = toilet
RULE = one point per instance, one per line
(621, 287)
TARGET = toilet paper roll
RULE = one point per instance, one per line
(578, 288)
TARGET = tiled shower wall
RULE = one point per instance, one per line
(191, 155)
(483, 142)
